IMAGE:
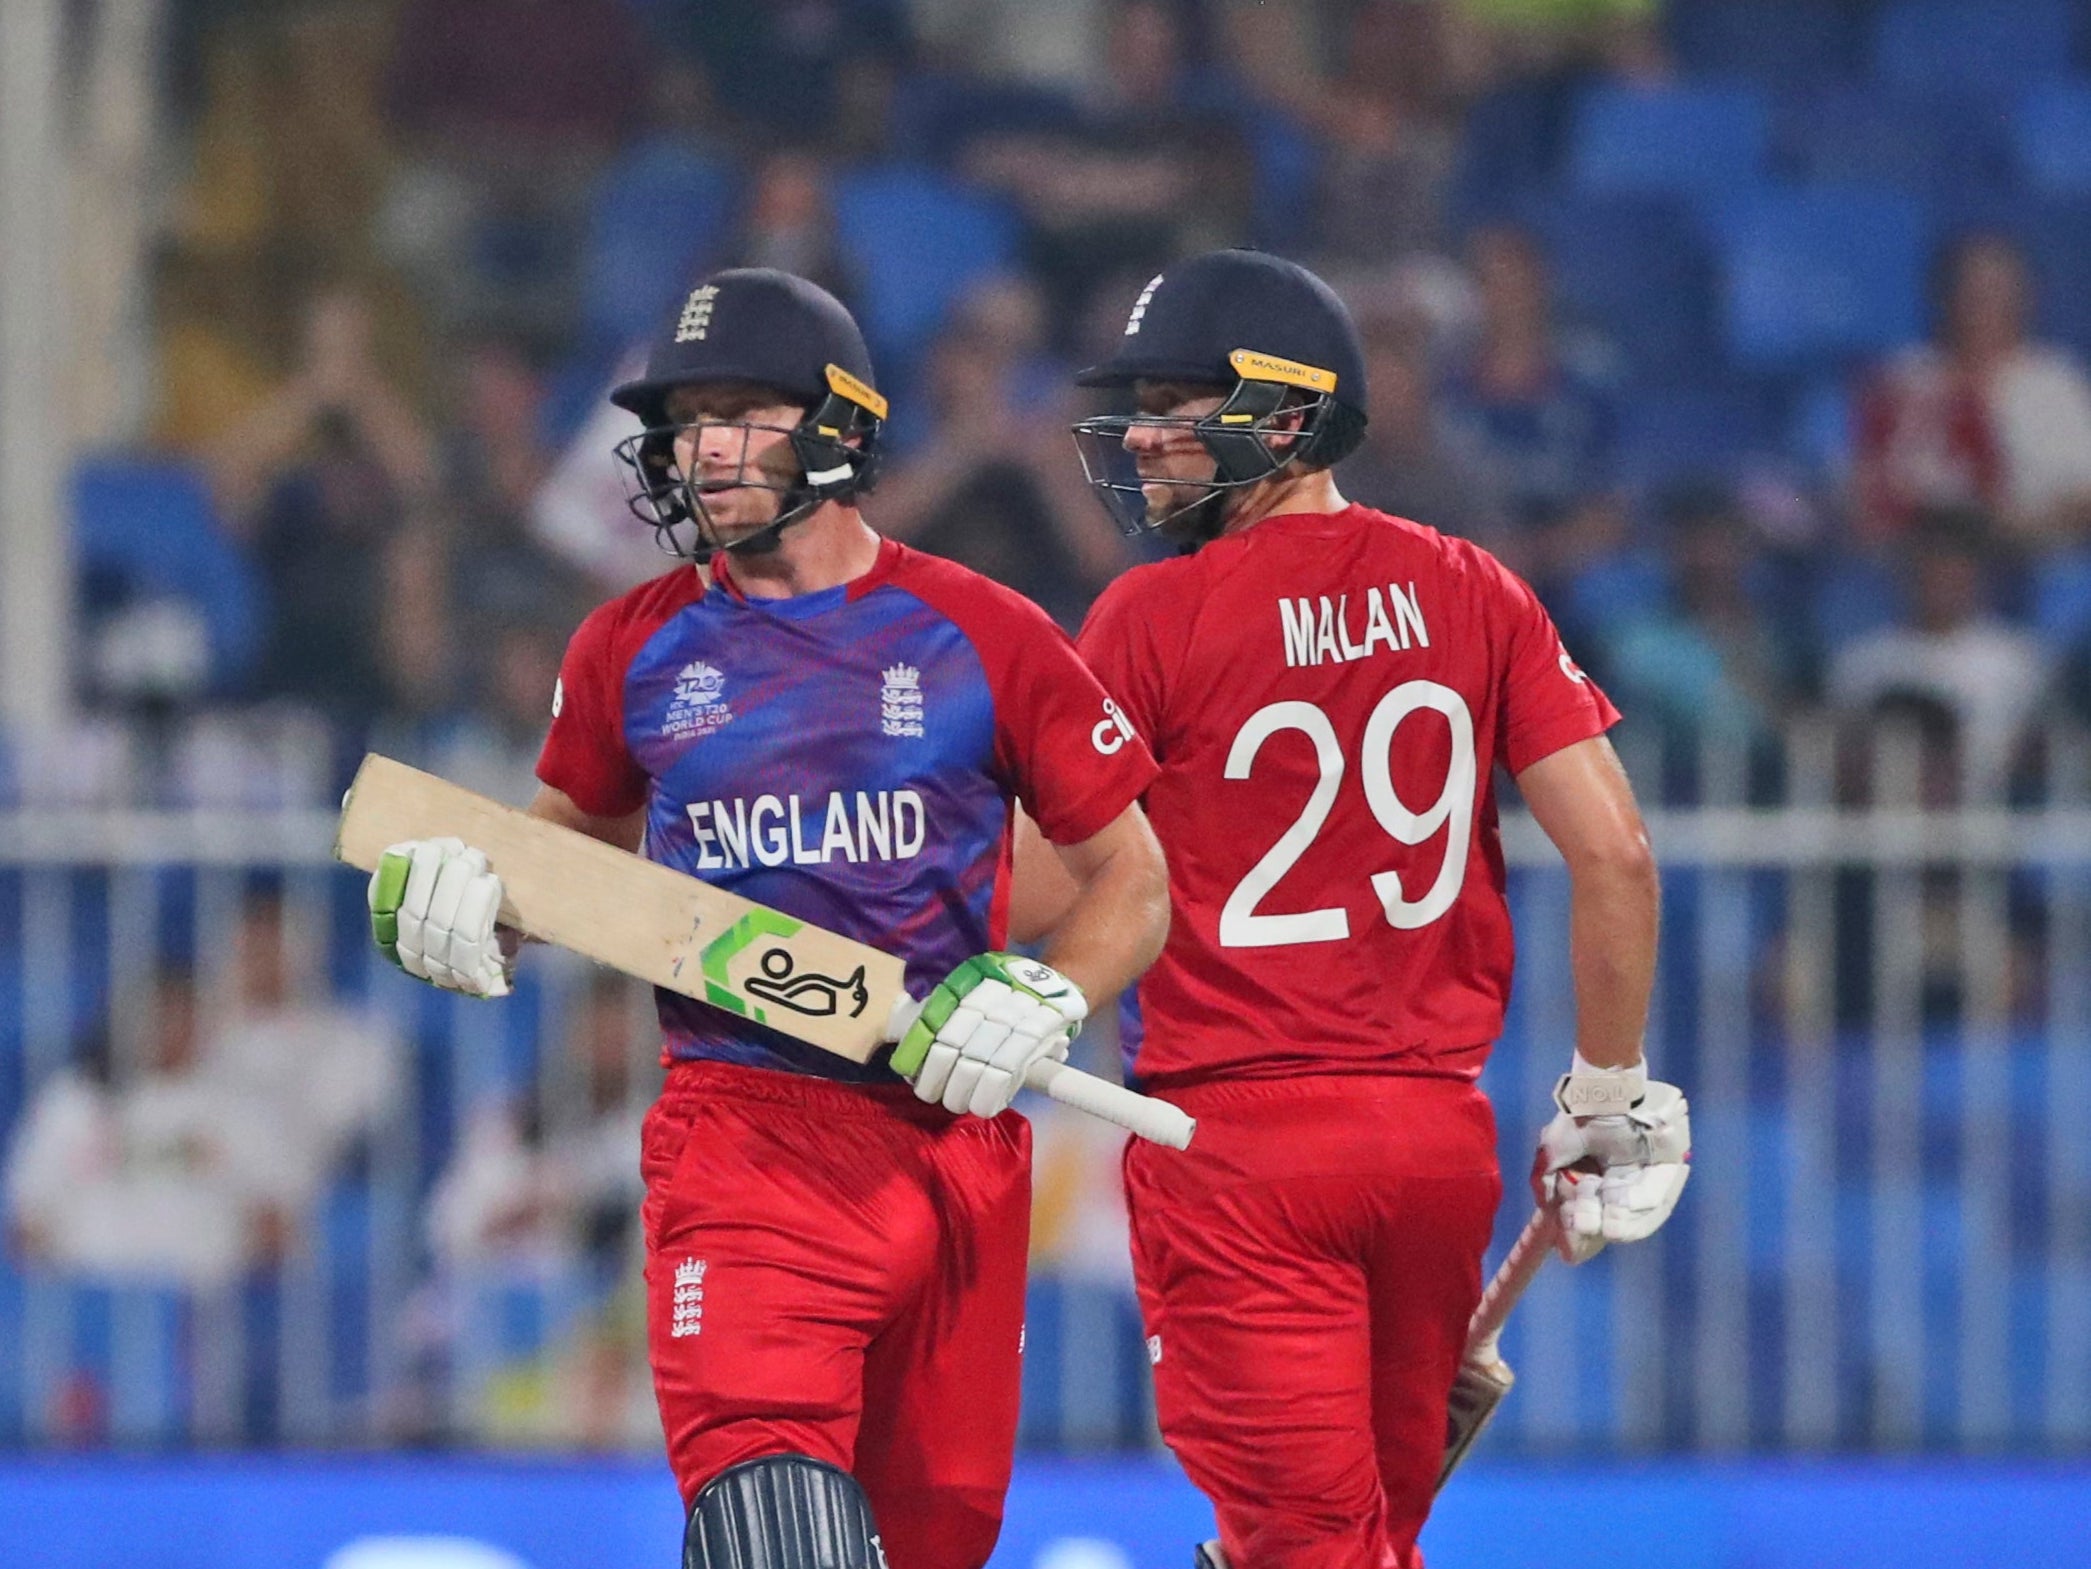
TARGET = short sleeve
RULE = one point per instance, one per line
(1120, 646)
(1074, 756)
(585, 755)
(1548, 701)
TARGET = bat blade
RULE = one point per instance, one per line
(1484, 1378)
(1477, 1389)
(681, 933)
(645, 919)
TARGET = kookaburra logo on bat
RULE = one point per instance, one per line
(810, 993)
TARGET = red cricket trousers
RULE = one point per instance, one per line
(839, 1271)
(1306, 1272)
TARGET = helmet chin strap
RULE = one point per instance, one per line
(800, 503)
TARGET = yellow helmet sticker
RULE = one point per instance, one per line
(844, 385)
(1251, 366)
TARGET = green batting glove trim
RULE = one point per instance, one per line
(937, 1009)
(386, 896)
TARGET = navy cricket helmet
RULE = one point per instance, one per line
(770, 329)
(1265, 332)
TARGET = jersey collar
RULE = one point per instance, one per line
(717, 574)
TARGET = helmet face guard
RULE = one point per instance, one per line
(832, 457)
(1271, 398)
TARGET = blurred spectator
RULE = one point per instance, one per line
(1389, 145)
(798, 68)
(788, 224)
(506, 109)
(1534, 399)
(493, 747)
(1411, 464)
(170, 1173)
(583, 514)
(531, 1187)
(1137, 178)
(504, 83)
(995, 484)
(329, 481)
(1981, 417)
(492, 463)
(543, 1194)
(1954, 650)
(1707, 667)
(1565, 37)
(331, 1073)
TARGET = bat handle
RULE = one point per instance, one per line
(1150, 1118)
(1539, 1238)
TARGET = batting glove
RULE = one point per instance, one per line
(975, 1036)
(433, 905)
(1613, 1162)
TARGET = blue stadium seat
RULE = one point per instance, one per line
(934, 116)
(1776, 42)
(1673, 436)
(1508, 147)
(1818, 426)
(655, 215)
(916, 241)
(1973, 44)
(152, 525)
(1927, 143)
(1637, 268)
(1813, 276)
(1684, 140)
(1854, 595)
(2062, 598)
(1623, 586)
(2051, 131)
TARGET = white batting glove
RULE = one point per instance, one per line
(433, 905)
(979, 1031)
(1615, 1158)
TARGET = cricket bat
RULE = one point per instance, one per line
(681, 933)
(1484, 1378)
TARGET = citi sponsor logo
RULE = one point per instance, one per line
(1322, 635)
(883, 825)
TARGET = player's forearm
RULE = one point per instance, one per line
(1118, 921)
(1614, 903)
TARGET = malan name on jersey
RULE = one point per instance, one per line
(1320, 634)
(864, 825)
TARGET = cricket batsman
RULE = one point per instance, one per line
(836, 726)
(1329, 692)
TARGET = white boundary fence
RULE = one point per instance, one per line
(1882, 1014)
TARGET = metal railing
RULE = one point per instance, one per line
(1881, 1010)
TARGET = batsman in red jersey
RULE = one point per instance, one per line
(1329, 692)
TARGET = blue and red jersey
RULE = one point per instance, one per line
(849, 757)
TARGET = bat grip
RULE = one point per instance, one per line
(1152, 1119)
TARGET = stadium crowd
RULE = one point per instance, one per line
(409, 244)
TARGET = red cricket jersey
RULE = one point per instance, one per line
(1328, 696)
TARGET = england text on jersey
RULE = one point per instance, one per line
(882, 825)
(1325, 638)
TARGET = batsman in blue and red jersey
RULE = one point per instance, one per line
(841, 728)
